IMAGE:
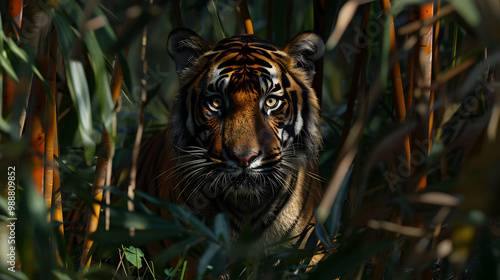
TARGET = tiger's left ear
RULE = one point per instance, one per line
(306, 48)
(185, 46)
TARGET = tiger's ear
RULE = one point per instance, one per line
(185, 46)
(306, 48)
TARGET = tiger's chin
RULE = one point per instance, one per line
(248, 186)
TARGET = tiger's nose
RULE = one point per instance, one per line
(243, 161)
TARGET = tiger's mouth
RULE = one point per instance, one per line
(248, 181)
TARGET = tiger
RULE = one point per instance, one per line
(243, 135)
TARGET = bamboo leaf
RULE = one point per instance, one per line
(386, 47)
(103, 91)
(214, 14)
(333, 221)
(221, 228)
(66, 34)
(8, 275)
(4, 126)
(20, 53)
(7, 66)
(78, 88)
(468, 10)
(180, 213)
(207, 258)
(177, 248)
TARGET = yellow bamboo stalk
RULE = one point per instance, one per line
(242, 4)
(35, 127)
(50, 120)
(50, 137)
(397, 83)
(425, 63)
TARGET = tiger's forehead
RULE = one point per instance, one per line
(238, 41)
(244, 62)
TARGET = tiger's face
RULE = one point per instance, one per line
(245, 118)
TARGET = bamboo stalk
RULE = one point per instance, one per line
(425, 94)
(397, 83)
(16, 12)
(50, 119)
(245, 15)
(51, 139)
(35, 127)
(176, 11)
(97, 194)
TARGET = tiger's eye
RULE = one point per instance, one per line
(271, 102)
(215, 103)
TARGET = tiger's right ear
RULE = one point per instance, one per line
(185, 46)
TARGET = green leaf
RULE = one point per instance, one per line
(115, 237)
(65, 36)
(176, 249)
(320, 232)
(79, 91)
(61, 275)
(103, 91)
(4, 126)
(206, 259)
(74, 10)
(221, 228)
(214, 14)
(124, 219)
(33, 235)
(468, 10)
(7, 66)
(333, 220)
(20, 53)
(134, 256)
(8, 275)
(178, 212)
(386, 47)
